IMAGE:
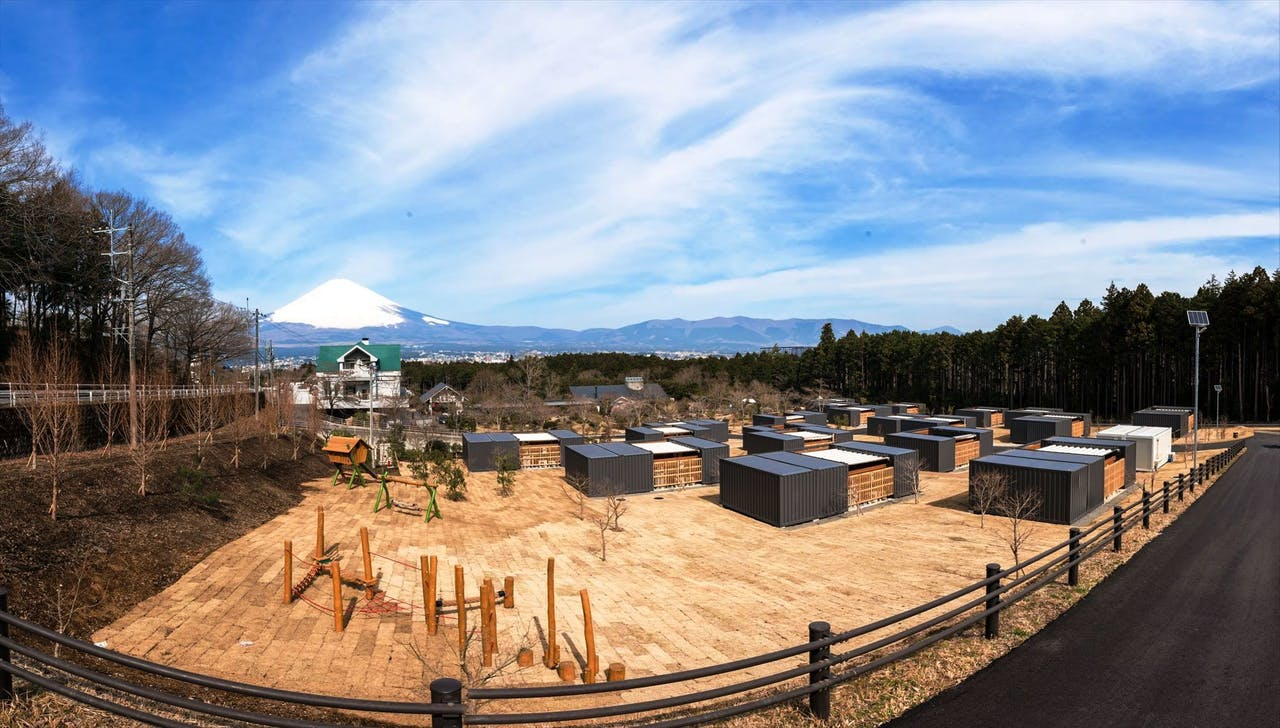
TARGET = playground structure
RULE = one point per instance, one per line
(375, 602)
(353, 453)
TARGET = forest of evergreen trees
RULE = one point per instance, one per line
(1131, 350)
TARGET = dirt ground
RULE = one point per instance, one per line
(686, 583)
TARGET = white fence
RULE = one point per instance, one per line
(19, 395)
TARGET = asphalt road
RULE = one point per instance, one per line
(1186, 634)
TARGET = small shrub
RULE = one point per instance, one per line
(194, 486)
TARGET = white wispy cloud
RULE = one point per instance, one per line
(480, 158)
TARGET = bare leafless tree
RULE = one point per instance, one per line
(575, 488)
(985, 488)
(153, 425)
(61, 432)
(1019, 506)
(607, 520)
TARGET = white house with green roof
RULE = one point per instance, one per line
(348, 375)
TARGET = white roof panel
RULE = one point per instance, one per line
(848, 457)
(535, 437)
(664, 448)
(1076, 450)
(810, 435)
(1135, 431)
(673, 430)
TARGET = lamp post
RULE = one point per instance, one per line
(373, 381)
(1217, 408)
(1200, 321)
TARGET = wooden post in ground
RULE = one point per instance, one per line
(589, 632)
(509, 593)
(288, 572)
(459, 589)
(552, 658)
(428, 571)
(617, 671)
(486, 646)
(336, 575)
(524, 658)
(491, 624)
(319, 532)
(368, 563)
(565, 670)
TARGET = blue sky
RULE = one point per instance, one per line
(595, 164)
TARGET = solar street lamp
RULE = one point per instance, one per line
(1200, 321)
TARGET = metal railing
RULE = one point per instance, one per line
(21, 395)
(886, 641)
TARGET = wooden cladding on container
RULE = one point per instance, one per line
(819, 444)
(677, 471)
(1113, 476)
(997, 419)
(967, 450)
(868, 486)
(540, 455)
(1077, 428)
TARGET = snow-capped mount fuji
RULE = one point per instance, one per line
(341, 311)
(344, 304)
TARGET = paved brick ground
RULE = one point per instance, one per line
(687, 583)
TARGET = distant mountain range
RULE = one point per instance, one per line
(342, 311)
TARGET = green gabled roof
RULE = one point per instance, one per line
(388, 356)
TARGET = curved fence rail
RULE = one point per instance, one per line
(865, 648)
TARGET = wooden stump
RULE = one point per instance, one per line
(566, 671)
(524, 658)
(617, 671)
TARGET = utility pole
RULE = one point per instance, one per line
(271, 382)
(127, 297)
(255, 356)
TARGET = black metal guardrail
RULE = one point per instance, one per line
(980, 601)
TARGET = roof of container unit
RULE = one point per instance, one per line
(1078, 450)
(801, 461)
(1024, 462)
(489, 437)
(672, 430)
(807, 435)
(563, 434)
(768, 465)
(848, 457)
(535, 437)
(698, 443)
(664, 448)
(920, 436)
(871, 447)
(1173, 410)
(1135, 431)
(621, 448)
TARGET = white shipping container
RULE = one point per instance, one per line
(1155, 444)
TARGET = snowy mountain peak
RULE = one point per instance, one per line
(344, 304)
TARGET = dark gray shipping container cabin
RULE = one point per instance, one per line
(1096, 464)
(717, 430)
(901, 459)
(481, 450)
(609, 467)
(711, 452)
(808, 417)
(1081, 428)
(784, 489)
(847, 415)
(937, 453)
(908, 408)
(971, 442)
(984, 416)
(643, 434)
(764, 439)
(1179, 419)
(881, 426)
(1063, 486)
(1125, 449)
(1033, 428)
(567, 437)
(766, 420)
